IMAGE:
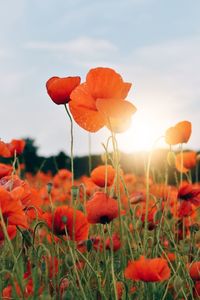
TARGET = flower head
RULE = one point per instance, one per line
(68, 220)
(178, 134)
(101, 209)
(100, 101)
(148, 270)
(59, 89)
(189, 161)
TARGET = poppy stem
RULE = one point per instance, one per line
(148, 194)
(72, 143)
(112, 260)
(90, 155)
(116, 166)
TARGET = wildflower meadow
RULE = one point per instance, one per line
(108, 236)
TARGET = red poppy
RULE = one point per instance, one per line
(189, 161)
(178, 134)
(5, 170)
(67, 218)
(98, 175)
(11, 230)
(59, 89)
(185, 209)
(4, 150)
(189, 193)
(16, 146)
(197, 290)
(116, 243)
(101, 209)
(92, 101)
(194, 270)
(148, 270)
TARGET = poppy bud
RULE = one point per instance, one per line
(49, 187)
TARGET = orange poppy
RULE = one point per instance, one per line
(101, 209)
(118, 113)
(65, 217)
(148, 270)
(98, 175)
(12, 212)
(29, 197)
(189, 161)
(59, 89)
(92, 102)
(178, 134)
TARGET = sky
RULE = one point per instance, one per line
(154, 44)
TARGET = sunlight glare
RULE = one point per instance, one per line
(146, 128)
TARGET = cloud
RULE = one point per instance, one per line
(79, 46)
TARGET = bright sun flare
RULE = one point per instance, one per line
(145, 129)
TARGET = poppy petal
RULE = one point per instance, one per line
(115, 108)
(106, 83)
(83, 109)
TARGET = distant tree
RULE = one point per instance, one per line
(30, 156)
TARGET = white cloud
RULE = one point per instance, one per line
(78, 46)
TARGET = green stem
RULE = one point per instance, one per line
(74, 263)
(90, 155)
(112, 262)
(72, 143)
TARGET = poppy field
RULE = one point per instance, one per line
(109, 235)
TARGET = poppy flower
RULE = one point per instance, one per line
(185, 209)
(189, 193)
(178, 134)
(118, 113)
(5, 170)
(16, 146)
(4, 150)
(11, 230)
(98, 175)
(65, 218)
(12, 212)
(29, 290)
(101, 209)
(116, 243)
(29, 197)
(59, 89)
(93, 101)
(196, 293)
(189, 161)
(148, 270)
(194, 270)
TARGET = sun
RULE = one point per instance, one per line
(145, 133)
